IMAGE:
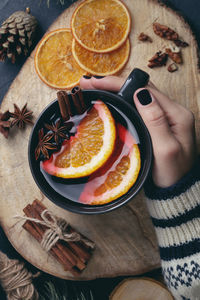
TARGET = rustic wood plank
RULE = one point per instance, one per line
(125, 239)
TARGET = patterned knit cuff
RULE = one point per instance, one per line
(176, 216)
(177, 224)
(154, 192)
(182, 277)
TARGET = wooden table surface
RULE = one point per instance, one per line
(125, 239)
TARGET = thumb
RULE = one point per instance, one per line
(154, 118)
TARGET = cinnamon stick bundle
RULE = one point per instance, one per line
(70, 106)
(73, 255)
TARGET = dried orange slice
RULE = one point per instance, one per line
(89, 149)
(102, 64)
(101, 25)
(54, 62)
(119, 173)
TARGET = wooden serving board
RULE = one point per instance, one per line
(125, 239)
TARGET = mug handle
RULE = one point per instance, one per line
(136, 79)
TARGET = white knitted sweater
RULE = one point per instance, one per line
(175, 213)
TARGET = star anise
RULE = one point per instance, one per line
(44, 144)
(4, 123)
(21, 117)
(59, 131)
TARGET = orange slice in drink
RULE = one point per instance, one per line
(102, 64)
(89, 149)
(119, 173)
(54, 62)
(101, 25)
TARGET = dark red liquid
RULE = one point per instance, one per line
(72, 188)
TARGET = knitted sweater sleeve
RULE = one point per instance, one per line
(175, 213)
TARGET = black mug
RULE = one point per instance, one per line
(122, 101)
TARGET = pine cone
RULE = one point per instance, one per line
(16, 35)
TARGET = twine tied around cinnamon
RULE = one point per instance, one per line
(57, 230)
(16, 280)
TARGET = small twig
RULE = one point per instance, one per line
(151, 24)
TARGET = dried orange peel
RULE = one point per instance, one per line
(54, 62)
(101, 25)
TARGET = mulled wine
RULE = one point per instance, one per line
(75, 189)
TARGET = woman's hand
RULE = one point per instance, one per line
(170, 125)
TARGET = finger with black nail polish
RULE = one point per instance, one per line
(144, 97)
(98, 77)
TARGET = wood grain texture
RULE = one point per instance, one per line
(125, 239)
(140, 288)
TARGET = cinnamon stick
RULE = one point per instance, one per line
(30, 228)
(72, 255)
(81, 99)
(81, 250)
(37, 231)
(67, 102)
(62, 105)
(76, 101)
(67, 252)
